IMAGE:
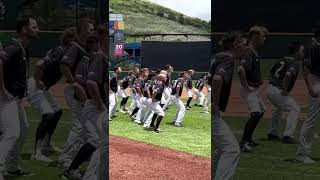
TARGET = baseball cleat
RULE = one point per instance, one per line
(272, 137)
(122, 111)
(305, 159)
(207, 112)
(40, 157)
(137, 121)
(245, 147)
(289, 140)
(72, 175)
(253, 144)
(156, 131)
(179, 125)
(19, 172)
(187, 107)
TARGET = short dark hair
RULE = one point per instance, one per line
(229, 38)
(68, 35)
(257, 30)
(23, 20)
(294, 46)
(83, 23)
(168, 66)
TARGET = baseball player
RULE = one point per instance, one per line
(134, 76)
(227, 152)
(311, 68)
(95, 113)
(47, 74)
(138, 87)
(207, 102)
(250, 78)
(167, 90)
(177, 89)
(156, 93)
(14, 71)
(283, 77)
(124, 84)
(147, 93)
(198, 91)
(112, 92)
(189, 88)
(69, 62)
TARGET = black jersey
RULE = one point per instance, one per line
(113, 82)
(279, 70)
(189, 84)
(158, 88)
(147, 86)
(138, 84)
(177, 84)
(223, 66)
(168, 81)
(15, 59)
(131, 80)
(251, 63)
(200, 84)
(125, 82)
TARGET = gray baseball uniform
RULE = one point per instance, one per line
(227, 152)
(13, 120)
(96, 125)
(283, 103)
(76, 135)
(308, 127)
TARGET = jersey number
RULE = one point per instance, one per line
(279, 69)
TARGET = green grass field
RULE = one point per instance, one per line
(41, 169)
(272, 160)
(194, 138)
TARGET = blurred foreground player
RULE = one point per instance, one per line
(227, 152)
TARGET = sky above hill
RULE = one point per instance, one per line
(194, 8)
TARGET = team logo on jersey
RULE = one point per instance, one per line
(2, 10)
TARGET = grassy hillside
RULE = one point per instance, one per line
(145, 17)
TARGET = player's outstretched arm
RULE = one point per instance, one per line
(94, 93)
(243, 77)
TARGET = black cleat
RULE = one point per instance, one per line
(19, 172)
(272, 137)
(253, 144)
(245, 147)
(289, 140)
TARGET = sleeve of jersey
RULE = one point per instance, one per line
(293, 68)
(246, 60)
(95, 70)
(224, 69)
(52, 56)
(70, 56)
(8, 53)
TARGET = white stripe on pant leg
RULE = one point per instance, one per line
(122, 93)
(14, 156)
(293, 116)
(181, 110)
(52, 101)
(307, 130)
(189, 93)
(227, 152)
(276, 99)
(196, 92)
(112, 103)
(76, 137)
(37, 99)
(207, 102)
(201, 98)
(9, 126)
